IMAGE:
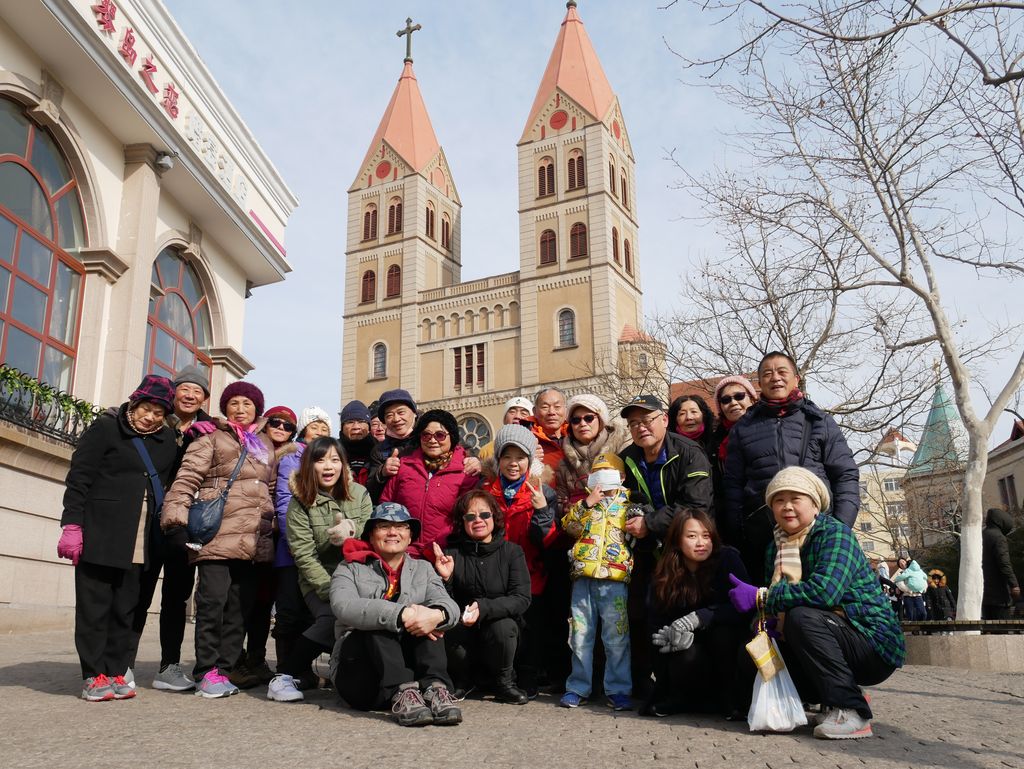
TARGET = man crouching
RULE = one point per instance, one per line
(391, 613)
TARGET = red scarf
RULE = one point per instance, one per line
(781, 406)
(359, 551)
(723, 447)
(693, 435)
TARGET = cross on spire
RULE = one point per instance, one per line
(407, 32)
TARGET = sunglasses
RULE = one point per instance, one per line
(281, 424)
(470, 517)
(588, 418)
(738, 397)
(437, 437)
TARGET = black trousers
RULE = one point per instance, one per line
(483, 654)
(373, 664)
(550, 626)
(105, 598)
(713, 676)
(757, 533)
(829, 659)
(223, 599)
(995, 611)
(318, 638)
(179, 579)
(257, 621)
(292, 615)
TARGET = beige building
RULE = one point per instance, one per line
(1005, 464)
(569, 316)
(136, 211)
(882, 527)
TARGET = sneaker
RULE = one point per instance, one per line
(214, 685)
(572, 700)
(122, 689)
(843, 724)
(619, 702)
(97, 689)
(261, 671)
(172, 678)
(321, 667)
(282, 689)
(443, 706)
(408, 706)
(129, 678)
(243, 678)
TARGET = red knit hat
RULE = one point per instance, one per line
(280, 411)
(246, 390)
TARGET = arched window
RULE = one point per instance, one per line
(623, 190)
(578, 240)
(394, 216)
(394, 282)
(611, 174)
(546, 177)
(446, 231)
(627, 256)
(380, 361)
(641, 361)
(474, 433)
(566, 328)
(40, 224)
(576, 173)
(430, 221)
(369, 287)
(370, 222)
(178, 328)
(548, 247)
(615, 245)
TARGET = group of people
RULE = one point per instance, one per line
(428, 573)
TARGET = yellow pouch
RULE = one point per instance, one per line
(761, 649)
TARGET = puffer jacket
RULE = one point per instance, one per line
(429, 499)
(601, 550)
(493, 574)
(762, 442)
(527, 527)
(315, 557)
(247, 527)
(571, 473)
(287, 464)
(995, 558)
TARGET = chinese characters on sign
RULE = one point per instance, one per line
(127, 49)
(105, 12)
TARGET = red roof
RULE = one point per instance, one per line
(632, 334)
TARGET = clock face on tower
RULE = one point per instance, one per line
(383, 169)
(558, 119)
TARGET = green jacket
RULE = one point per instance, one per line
(315, 556)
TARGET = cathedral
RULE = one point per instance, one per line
(569, 316)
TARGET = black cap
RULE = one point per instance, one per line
(644, 402)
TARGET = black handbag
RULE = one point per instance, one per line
(205, 515)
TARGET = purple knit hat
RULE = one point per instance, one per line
(155, 389)
(246, 390)
(742, 381)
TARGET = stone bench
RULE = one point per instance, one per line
(995, 646)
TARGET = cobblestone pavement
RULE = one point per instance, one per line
(924, 716)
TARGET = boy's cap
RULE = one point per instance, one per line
(644, 402)
(608, 460)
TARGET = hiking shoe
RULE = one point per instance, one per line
(443, 706)
(214, 685)
(97, 689)
(122, 689)
(172, 678)
(619, 702)
(262, 671)
(843, 724)
(282, 689)
(243, 677)
(408, 706)
(572, 700)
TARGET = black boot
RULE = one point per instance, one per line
(505, 690)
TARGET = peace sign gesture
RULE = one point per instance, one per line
(443, 564)
(536, 495)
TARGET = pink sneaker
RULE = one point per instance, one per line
(214, 685)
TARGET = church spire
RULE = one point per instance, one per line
(575, 70)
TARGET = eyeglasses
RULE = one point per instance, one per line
(634, 424)
(437, 437)
(281, 424)
(588, 418)
(393, 526)
(738, 397)
(470, 517)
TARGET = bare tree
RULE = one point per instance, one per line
(883, 170)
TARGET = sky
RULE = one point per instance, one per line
(312, 78)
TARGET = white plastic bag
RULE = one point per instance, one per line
(775, 705)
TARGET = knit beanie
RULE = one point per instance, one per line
(443, 418)
(518, 402)
(390, 397)
(514, 435)
(802, 481)
(280, 411)
(313, 414)
(157, 390)
(355, 411)
(742, 381)
(589, 402)
(246, 390)
(193, 375)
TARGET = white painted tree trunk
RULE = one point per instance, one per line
(968, 604)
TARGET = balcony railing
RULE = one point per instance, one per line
(27, 402)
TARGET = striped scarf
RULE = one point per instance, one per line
(787, 554)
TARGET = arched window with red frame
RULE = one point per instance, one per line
(546, 177)
(577, 179)
(41, 224)
(394, 282)
(578, 241)
(430, 215)
(446, 232)
(627, 256)
(615, 244)
(370, 222)
(394, 216)
(548, 247)
(178, 330)
(368, 291)
(624, 191)
(611, 175)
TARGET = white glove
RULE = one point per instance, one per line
(342, 529)
(678, 636)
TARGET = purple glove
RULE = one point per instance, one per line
(742, 595)
(771, 627)
(70, 544)
(201, 428)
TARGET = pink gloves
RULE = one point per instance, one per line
(70, 544)
(742, 595)
(202, 428)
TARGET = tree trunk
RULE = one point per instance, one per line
(968, 605)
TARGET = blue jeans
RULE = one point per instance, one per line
(593, 599)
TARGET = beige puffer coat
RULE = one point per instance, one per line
(246, 529)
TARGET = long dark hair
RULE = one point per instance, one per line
(673, 584)
(706, 416)
(463, 505)
(306, 486)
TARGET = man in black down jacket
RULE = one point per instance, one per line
(1001, 587)
(782, 429)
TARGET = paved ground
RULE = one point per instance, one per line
(925, 716)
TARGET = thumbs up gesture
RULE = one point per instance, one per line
(392, 464)
(342, 529)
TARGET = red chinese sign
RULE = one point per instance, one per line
(105, 11)
(146, 72)
(127, 49)
(170, 100)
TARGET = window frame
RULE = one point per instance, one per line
(548, 248)
(368, 287)
(564, 341)
(578, 245)
(393, 282)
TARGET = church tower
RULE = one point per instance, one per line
(579, 255)
(403, 238)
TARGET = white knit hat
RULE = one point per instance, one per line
(801, 481)
(314, 414)
(589, 402)
(518, 402)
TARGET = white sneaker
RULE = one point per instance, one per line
(842, 724)
(282, 689)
